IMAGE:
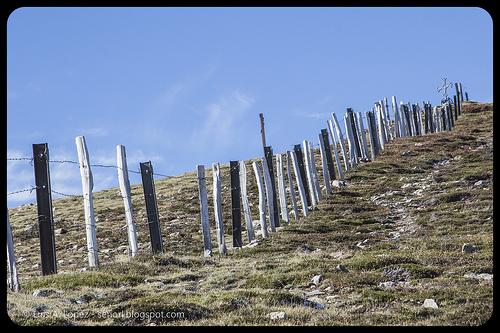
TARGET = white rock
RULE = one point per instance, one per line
(316, 279)
(430, 303)
(276, 315)
(339, 183)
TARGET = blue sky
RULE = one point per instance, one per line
(184, 86)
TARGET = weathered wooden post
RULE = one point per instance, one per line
(341, 142)
(362, 135)
(355, 132)
(303, 175)
(455, 108)
(461, 91)
(244, 200)
(219, 223)
(314, 173)
(236, 203)
(88, 202)
(415, 119)
(292, 188)
(123, 181)
(151, 207)
(269, 194)
(324, 163)
(450, 115)
(13, 281)
(380, 127)
(334, 148)
(350, 140)
(268, 151)
(310, 180)
(300, 183)
(397, 118)
(385, 121)
(262, 130)
(205, 224)
(328, 153)
(262, 199)
(281, 189)
(466, 96)
(459, 100)
(44, 208)
(372, 131)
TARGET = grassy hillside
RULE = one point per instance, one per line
(383, 244)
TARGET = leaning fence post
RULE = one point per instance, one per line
(397, 120)
(341, 141)
(205, 224)
(310, 180)
(44, 208)
(372, 135)
(292, 188)
(362, 134)
(328, 153)
(262, 199)
(281, 189)
(88, 202)
(299, 157)
(218, 208)
(334, 148)
(300, 184)
(235, 203)
(244, 200)
(315, 173)
(123, 180)
(268, 152)
(269, 194)
(151, 207)
(324, 164)
(13, 280)
(350, 141)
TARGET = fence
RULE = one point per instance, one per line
(303, 187)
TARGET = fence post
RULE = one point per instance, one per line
(450, 114)
(262, 130)
(461, 91)
(362, 133)
(244, 199)
(13, 280)
(350, 141)
(88, 201)
(205, 224)
(44, 208)
(268, 150)
(315, 173)
(151, 207)
(299, 157)
(236, 203)
(455, 106)
(334, 147)
(269, 194)
(262, 199)
(324, 163)
(372, 131)
(397, 120)
(218, 208)
(300, 184)
(281, 189)
(310, 181)
(292, 188)
(341, 141)
(459, 101)
(355, 133)
(466, 96)
(328, 153)
(123, 180)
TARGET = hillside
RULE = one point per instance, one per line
(383, 244)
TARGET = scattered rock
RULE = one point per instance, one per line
(316, 279)
(362, 244)
(341, 268)
(408, 153)
(430, 304)
(314, 302)
(46, 292)
(84, 269)
(60, 231)
(468, 248)
(339, 183)
(277, 315)
(479, 183)
(482, 276)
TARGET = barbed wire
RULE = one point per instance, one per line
(25, 190)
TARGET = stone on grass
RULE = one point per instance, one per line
(46, 292)
(342, 268)
(316, 279)
(314, 302)
(277, 315)
(468, 248)
(60, 231)
(339, 183)
(430, 304)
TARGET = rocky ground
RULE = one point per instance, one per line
(407, 241)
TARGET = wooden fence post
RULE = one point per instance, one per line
(397, 119)
(88, 201)
(466, 96)
(350, 140)
(461, 91)
(151, 207)
(244, 200)
(123, 181)
(13, 280)
(269, 194)
(334, 148)
(324, 164)
(262, 130)
(262, 199)
(315, 173)
(355, 133)
(218, 208)
(205, 224)
(385, 122)
(299, 157)
(455, 106)
(292, 188)
(328, 153)
(300, 184)
(44, 208)
(341, 141)
(269, 158)
(281, 189)
(372, 131)
(362, 135)
(236, 203)
(450, 114)
(310, 180)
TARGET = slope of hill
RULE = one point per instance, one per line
(383, 244)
